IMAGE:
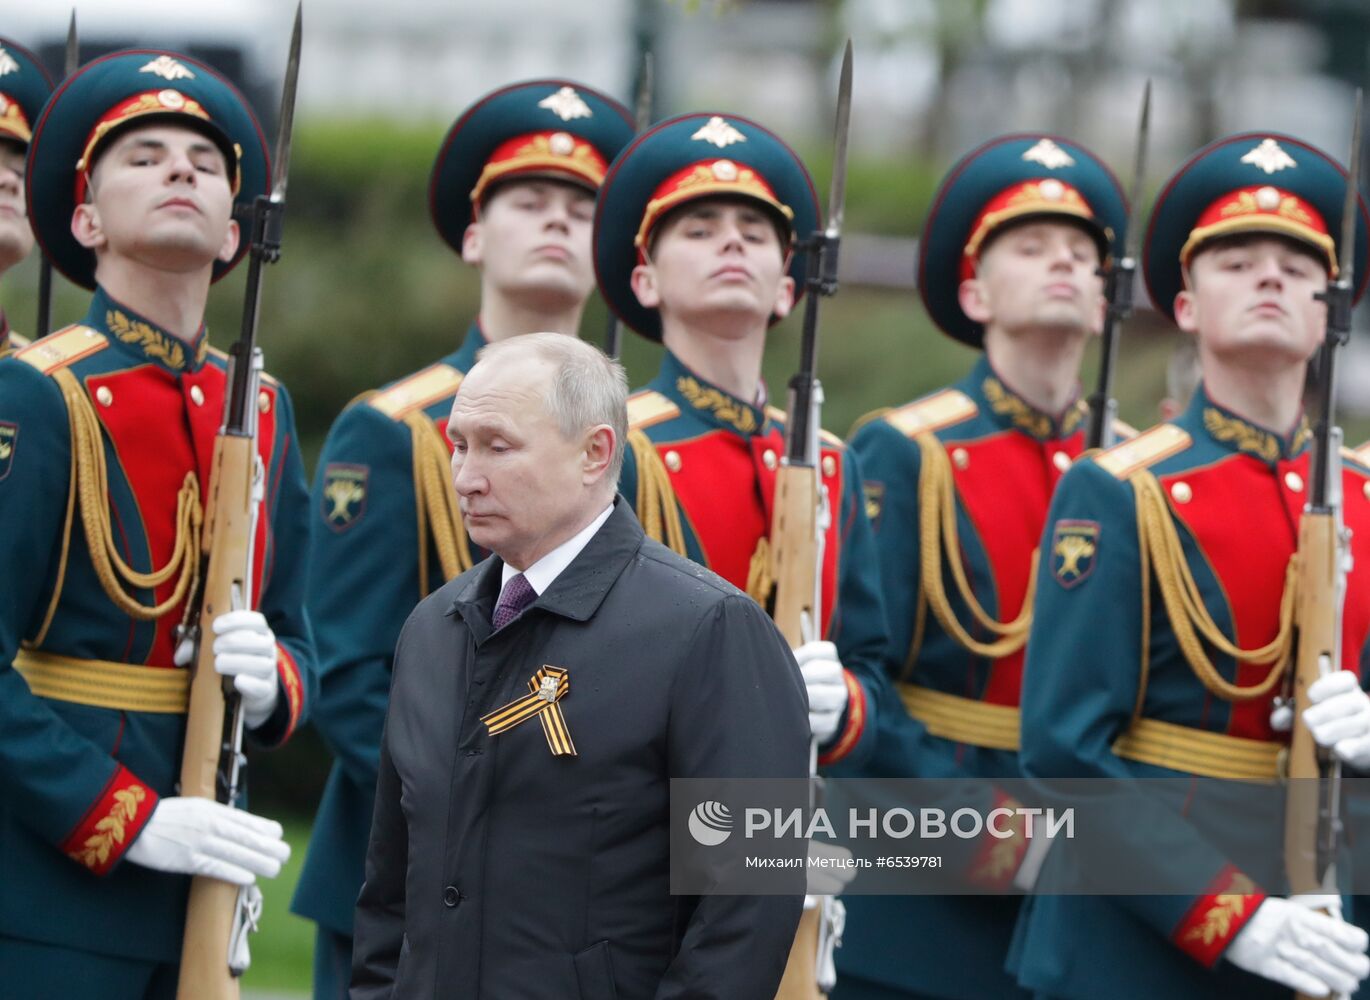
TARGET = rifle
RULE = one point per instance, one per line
(642, 116)
(1312, 825)
(1119, 276)
(212, 761)
(802, 512)
(43, 323)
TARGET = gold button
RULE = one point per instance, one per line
(769, 458)
(1181, 492)
(673, 461)
(1061, 460)
(104, 395)
(961, 457)
(1366, 490)
(829, 465)
(197, 395)
(264, 401)
(1294, 481)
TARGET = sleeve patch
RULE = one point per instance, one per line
(9, 440)
(344, 495)
(875, 500)
(1074, 548)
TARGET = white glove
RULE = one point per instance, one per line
(193, 836)
(1289, 943)
(822, 672)
(245, 649)
(1339, 717)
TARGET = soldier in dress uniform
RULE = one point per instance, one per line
(513, 192)
(695, 248)
(24, 86)
(1162, 638)
(107, 430)
(1009, 262)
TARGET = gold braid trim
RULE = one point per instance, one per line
(937, 528)
(656, 503)
(760, 579)
(1162, 552)
(437, 506)
(90, 484)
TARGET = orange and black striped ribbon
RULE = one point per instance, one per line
(548, 686)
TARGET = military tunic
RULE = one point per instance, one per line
(1111, 692)
(80, 777)
(720, 455)
(366, 539)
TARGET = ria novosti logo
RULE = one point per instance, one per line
(711, 823)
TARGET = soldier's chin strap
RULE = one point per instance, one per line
(1161, 551)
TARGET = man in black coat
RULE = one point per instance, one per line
(540, 705)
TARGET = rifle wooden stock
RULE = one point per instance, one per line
(1318, 624)
(794, 551)
(204, 971)
(1317, 621)
(794, 561)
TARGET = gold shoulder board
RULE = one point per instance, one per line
(941, 409)
(649, 407)
(1145, 450)
(417, 391)
(63, 348)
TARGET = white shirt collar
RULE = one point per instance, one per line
(541, 574)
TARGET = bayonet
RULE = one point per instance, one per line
(1119, 276)
(43, 321)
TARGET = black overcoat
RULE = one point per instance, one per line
(499, 871)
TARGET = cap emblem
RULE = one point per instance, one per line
(1269, 156)
(1049, 155)
(719, 132)
(7, 64)
(566, 104)
(168, 69)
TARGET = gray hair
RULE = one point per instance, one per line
(588, 389)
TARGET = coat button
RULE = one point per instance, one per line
(1061, 460)
(1366, 490)
(1182, 492)
(450, 896)
(961, 457)
(104, 395)
(197, 395)
(829, 466)
(1294, 481)
(673, 461)
(768, 456)
(264, 401)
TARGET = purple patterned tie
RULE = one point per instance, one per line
(517, 594)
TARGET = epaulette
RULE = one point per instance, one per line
(419, 390)
(63, 348)
(649, 407)
(932, 413)
(827, 437)
(17, 341)
(1143, 451)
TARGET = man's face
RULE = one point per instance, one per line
(1038, 275)
(523, 486)
(16, 238)
(1254, 294)
(160, 196)
(716, 258)
(532, 242)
